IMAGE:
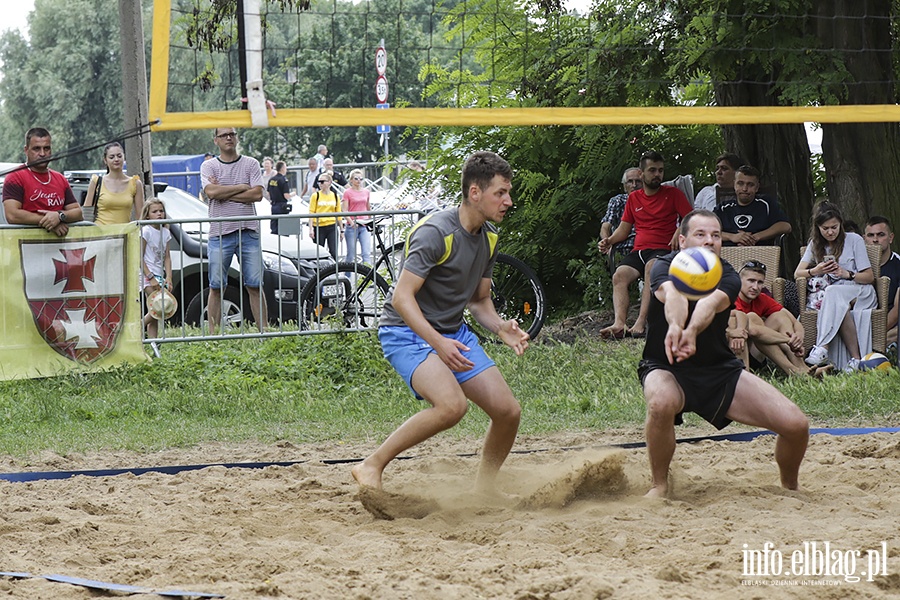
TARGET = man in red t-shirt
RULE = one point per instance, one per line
(654, 210)
(772, 330)
(37, 195)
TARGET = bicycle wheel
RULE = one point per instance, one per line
(343, 296)
(517, 294)
(388, 266)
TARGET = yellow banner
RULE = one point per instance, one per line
(71, 303)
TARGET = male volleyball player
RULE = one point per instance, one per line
(447, 267)
(688, 366)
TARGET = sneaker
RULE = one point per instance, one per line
(852, 366)
(818, 356)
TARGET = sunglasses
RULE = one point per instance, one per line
(225, 136)
(755, 265)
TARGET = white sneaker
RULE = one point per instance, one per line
(818, 356)
(852, 366)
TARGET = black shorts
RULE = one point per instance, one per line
(708, 391)
(638, 259)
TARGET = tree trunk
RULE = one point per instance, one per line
(861, 158)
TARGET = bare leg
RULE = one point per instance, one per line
(258, 308)
(214, 310)
(436, 383)
(758, 403)
(664, 399)
(848, 335)
(640, 324)
(489, 391)
(622, 278)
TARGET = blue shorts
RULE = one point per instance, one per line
(221, 251)
(406, 351)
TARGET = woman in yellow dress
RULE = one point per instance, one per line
(121, 197)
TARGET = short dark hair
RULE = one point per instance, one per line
(480, 168)
(731, 158)
(879, 220)
(700, 212)
(755, 266)
(34, 132)
(651, 156)
(748, 170)
(280, 165)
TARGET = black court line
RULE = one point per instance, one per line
(175, 469)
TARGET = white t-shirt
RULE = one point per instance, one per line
(156, 241)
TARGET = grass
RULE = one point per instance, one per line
(339, 388)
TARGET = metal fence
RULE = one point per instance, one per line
(290, 262)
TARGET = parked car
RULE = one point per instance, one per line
(289, 261)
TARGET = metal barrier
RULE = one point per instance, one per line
(290, 262)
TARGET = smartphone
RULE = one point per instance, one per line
(829, 258)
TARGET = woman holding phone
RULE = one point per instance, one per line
(836, 262)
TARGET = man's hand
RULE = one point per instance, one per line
(604, 246)
(672, 341)
(744, 238)
(51, 222)
(513, 336)
(737, 339)
(449, 351)
(687, 345)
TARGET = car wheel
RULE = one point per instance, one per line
(231, 308)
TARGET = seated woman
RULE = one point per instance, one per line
(840, 277)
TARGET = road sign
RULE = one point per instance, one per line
(382, 129)
(381, 60)
(382, 105)
(381, 89)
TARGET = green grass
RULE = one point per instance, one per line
(339, 388)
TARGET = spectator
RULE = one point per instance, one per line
(233, 184)
(726, 166)
(312, 175)
(279, 193)
(879, 232)
(121, 198)
(631, 180)
(773, 331)
(268, 172)
(325, 230)
(336, 176)
(356, 199)
(320, 155)
(839, 278)
(156, 262)
(36, 194)
(653, 210)
(750, 220)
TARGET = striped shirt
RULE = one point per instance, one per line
(243, 170)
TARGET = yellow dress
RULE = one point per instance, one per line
(116, 208)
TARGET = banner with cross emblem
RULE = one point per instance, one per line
(78, 298)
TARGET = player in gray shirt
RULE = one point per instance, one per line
(447, 268)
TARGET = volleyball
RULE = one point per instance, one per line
(695, 272)
(161, 304)
(874, 361)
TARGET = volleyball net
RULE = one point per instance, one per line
(296, 63)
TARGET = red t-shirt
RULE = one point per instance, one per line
(764, 305)
(38, 191)
(655, 217)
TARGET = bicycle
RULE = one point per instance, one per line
(350, 295)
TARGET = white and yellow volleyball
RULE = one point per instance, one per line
(874, 361)
(695, 272)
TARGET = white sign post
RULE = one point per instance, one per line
(381, 92)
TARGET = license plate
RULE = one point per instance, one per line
(329, 291)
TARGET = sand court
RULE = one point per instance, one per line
(571, 523)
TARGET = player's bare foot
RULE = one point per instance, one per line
(657, 491)
(366, 475)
